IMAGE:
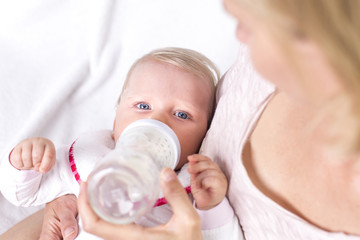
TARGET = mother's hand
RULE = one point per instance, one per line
(184, 224)
(60, 219)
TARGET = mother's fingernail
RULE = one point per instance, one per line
(69, 231)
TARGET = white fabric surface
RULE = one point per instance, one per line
(62, 63)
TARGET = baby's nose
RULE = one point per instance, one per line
(160, 117)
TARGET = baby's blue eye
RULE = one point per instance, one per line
(182, 115)
(143, 106)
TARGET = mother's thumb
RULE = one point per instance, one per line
(176, 195)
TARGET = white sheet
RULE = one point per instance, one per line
(62, 63)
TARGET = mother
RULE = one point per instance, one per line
(291, 146)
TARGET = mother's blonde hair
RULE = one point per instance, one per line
(335, 26)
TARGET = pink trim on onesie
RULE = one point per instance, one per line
(72, 163)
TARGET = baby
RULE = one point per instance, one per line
(173, 85)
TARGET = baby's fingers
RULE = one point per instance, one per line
(199, 163)
(208, 179)
(198, 158)
(37, 155)
(26, 155)
(33, 153)
(48, 154)
(15, 158)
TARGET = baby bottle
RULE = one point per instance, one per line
(125, 184)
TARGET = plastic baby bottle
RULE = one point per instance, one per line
(125, 184)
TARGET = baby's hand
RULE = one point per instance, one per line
(208, 182)
(34, 154)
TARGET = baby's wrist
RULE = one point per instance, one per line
(216, 216)
(207, 207)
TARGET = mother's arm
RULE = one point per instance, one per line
(29, 228)
(56, 220)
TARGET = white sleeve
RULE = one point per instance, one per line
(229, 231)
(30, 188)
(220, 222)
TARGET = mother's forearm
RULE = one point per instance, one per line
(27, 229)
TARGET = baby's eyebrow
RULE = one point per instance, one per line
(190, 109)
(135, 97)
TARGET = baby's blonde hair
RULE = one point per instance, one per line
(335, 26)
(185, 59)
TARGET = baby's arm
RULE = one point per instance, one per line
(23, 180)
(209, 186)
(33, 154)
(22, 170)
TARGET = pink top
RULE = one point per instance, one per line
(242, 97)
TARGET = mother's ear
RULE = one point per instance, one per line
(242, 33)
